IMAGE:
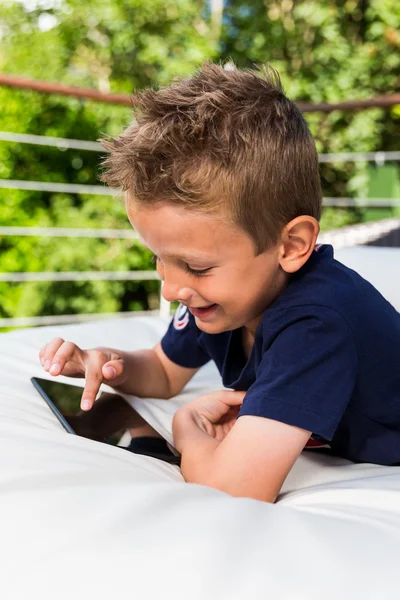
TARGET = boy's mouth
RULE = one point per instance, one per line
(204, 311)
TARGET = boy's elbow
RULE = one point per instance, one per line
(169, 392)
(227, 480)
(166, 394)
(238, 489)
(175, 391)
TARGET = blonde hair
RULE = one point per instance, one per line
(223, 141)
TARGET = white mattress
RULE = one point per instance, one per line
(83, 520)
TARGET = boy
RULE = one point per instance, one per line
(220, 175)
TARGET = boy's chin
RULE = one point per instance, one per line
(216, 326)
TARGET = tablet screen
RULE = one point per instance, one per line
(106, 422)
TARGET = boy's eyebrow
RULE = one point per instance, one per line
(190, 257)
(185, 257)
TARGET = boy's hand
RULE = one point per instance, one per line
(214, 413)
(99, 365)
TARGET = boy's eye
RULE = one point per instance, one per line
(194, 272)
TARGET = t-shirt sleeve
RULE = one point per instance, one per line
(181, 342)
(307, 375)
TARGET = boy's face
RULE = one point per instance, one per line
(209, 265)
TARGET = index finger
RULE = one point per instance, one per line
(93, 381)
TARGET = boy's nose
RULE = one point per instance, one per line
(174, 292)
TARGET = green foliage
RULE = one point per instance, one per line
(117, 46)
(330, 51)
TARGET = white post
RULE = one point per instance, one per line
(164, 305)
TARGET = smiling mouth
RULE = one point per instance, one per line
(203, 311)
(201, 307)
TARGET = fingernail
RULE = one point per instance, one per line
(47, 364)
(85, 405)
(54, 368)
(110, 371)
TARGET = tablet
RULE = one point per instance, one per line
(106, 422)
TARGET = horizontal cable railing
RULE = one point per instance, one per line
(378, 156)
(81, 276)
(45, 140)
(382, 226)
(82, 318)
(126, 234)
(99, 190)
(359, 234)
(361, 202)
(50, 186)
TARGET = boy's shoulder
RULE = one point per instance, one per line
(324, 286)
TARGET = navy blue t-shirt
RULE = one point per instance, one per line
(326, 358)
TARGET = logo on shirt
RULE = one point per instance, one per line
(315, 442)
(181, 317)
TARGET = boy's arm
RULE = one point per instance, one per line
(251, 461)
(151, 374)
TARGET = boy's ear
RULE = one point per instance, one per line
(297, 242)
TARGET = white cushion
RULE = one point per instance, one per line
(84, 520)
(379, 265)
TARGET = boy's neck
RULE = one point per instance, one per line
(247, 341)
(249, 330)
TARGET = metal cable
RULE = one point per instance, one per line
(70, 232)
(66, 143)
(64, 319)
(81, 276)
(68, 188)
(44, 140)
(374, 202)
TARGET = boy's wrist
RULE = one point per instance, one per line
(185, 428)
(194, 444)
